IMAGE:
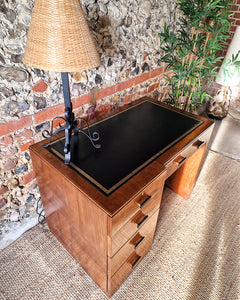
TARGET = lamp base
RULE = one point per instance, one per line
(218, 106)
(69, 128)
(71, 124)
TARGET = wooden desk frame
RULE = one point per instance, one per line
(109, 235)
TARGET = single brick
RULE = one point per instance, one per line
(28, 177)
(25, 147)
(40, 87)
(151, 88)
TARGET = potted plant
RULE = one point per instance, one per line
(191, 51)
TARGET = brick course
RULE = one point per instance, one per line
(48, 114)
(105, 92)
(12, 126)
(85, 99)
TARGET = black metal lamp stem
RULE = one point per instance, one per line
(71, 124)
(69, 116)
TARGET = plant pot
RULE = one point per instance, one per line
(217, 107)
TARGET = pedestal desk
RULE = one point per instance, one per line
(104, 206)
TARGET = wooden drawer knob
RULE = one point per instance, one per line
(199, 144)
(139, 218)
(137, 240)
(133, 260)
(180, 160)
(142, 200)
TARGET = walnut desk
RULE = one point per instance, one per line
(104, 206)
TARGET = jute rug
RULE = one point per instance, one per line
(195, 254)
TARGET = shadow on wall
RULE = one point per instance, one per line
(103, 33)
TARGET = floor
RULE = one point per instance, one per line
(226, 135)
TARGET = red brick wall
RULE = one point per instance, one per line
(235, 18)
(20, 134)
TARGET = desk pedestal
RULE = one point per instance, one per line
(109, 234)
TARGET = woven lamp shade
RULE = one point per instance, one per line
(59, 38)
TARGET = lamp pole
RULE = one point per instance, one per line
(69, 117)
(71, 124)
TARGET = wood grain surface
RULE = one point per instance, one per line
(110, 234)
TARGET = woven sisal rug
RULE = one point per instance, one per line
(195, 254)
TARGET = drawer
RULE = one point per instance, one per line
(134, 224)
(176, 162)
(125, 270)
(138, 241)
(142, 200)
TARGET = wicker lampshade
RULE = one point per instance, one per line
(59, 38)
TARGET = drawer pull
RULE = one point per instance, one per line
(143, 200)
(139, 218)
(137, 240)
(141, 221)
(134, 259)
(199, 144)
(180, 160)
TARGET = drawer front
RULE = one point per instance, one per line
(140, 218)
(176, 162)
(138, 241)
(125, 270)
(142, 200)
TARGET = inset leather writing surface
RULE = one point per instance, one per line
(129, 141)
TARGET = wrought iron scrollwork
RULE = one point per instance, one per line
(69, 128)
(71, 124)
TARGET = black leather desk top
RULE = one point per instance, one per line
(129, 141)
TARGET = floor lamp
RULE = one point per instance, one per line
(59, 40)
